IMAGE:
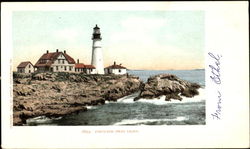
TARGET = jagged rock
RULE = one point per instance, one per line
(172, 96)
(147, 94)
(57, 94)
(190, 92)
(23, 90)
(169, 85)
(39, 76)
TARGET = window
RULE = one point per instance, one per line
(119, 70)
(58, 61)
(42, 61)
(61, 66)
(29, 66)
(57, 68)
(63, 61)
(65, 68)
(70, 67)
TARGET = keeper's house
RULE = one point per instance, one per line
(25, 67)
(55, 62)
(116, 69)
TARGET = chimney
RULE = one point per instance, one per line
(47, 51)
(77, 61)
(57, 50)
(64, 52)
(114, 63)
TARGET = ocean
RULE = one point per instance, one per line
(189, 111)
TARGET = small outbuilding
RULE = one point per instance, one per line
(88, 69)
(116, 69)
(25, 67)
(79, 67)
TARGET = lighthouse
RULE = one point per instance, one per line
(97, 58)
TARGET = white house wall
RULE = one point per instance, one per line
(87, 71)
(28, 69)
(20, 70)
(61, 63)
(116, 71)
(91, 72)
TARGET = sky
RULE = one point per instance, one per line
(150, 40)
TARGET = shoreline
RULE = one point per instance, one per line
(59, 94)
(126, 101)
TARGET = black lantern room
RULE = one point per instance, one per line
(96, 33)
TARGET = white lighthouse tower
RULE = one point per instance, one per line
(97, 58)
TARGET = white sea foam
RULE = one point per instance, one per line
(128, 99)
(161, 100)
(42, 119)
(106, 102)
(143, 121)
(91, 107)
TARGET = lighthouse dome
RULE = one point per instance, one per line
(96, 33)
(96, 27)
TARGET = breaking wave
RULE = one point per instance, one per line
(41, 120)
(161, 100)
(91, 107)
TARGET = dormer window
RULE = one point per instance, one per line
(42, 61)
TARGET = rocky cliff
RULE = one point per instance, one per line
(169, 85)
(58, 94)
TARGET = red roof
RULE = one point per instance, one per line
(89, 66)
(116, 67)
(51, 57)
(79, 65)
(69, 59)
(24, 64)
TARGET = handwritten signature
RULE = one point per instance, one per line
(216, 78)
(215, 69)
(217, 112)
